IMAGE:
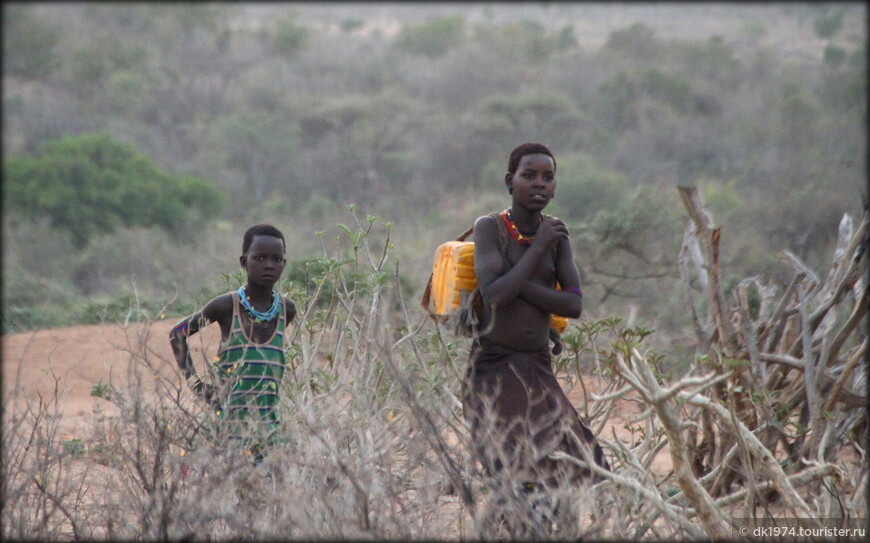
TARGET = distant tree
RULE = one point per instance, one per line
(630, 240)
(360, 143)
(536, 42)
(753, 31)
(185, 21)
(800, 176)
(585, 189)
(262, 148)
(712, 60)
(845, 87)
(432, 38)
(638, 41)
(671, 89)
(615, 102)
(193, 71)
(524, 41)
(566, 38)
(350, 24)
(834, 56)
(550, 115)
(470, 146)
(92, 65)
(28, 42)
(91, 183)
(126, 90)
(827, 26)
(288, 38)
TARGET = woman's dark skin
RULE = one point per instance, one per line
(523, 289)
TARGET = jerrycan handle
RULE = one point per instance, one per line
(465, 234)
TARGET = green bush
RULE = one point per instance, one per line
(91, 183)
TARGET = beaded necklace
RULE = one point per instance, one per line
(519, 237)
(259, 316)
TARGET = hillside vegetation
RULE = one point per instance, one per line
(290, 113)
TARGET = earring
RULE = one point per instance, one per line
(510, 190)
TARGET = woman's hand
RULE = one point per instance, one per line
(550, 232)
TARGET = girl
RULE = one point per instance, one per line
(517, 412)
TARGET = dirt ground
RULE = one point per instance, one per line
(76, 359)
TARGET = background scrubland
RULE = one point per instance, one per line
(721, 356)
(221, 115)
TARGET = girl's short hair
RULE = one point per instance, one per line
(528, 148)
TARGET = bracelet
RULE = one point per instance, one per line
(575, 290)
(194, 382)
(182, 328)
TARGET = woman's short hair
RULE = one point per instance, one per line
(528, 148)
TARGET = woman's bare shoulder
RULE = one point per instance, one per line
(485, 222)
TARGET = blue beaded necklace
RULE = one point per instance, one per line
(259, 316)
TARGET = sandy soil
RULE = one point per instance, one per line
(77, 358)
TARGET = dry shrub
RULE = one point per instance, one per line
(376, 446)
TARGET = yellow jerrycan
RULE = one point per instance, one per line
(453, 273)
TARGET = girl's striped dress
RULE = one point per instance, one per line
(251, 375)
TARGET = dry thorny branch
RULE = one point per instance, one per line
(772, 414)
(786, 393)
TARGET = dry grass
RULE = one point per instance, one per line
(377, 447)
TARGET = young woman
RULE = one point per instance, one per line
(517, 411)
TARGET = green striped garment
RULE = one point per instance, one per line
(252, 373)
